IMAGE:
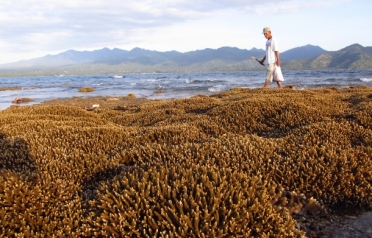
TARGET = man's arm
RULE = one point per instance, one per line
(277, 56)
(263, 60)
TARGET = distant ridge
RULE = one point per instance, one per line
(137, 60)
(137, 55)
(352, 57)
(303, 52)
(117, 61)
(66, 58)
(142, 56)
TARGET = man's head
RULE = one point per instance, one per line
(267, 32)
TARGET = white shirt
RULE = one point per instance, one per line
(271, 47)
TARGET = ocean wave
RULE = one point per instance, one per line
(190, 81)
(175, 85)
(367, 80)
(217, 88)
(331, 80)
(153, 80)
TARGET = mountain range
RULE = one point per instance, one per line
(352, 57)
(137, 60)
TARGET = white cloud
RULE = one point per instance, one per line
(56, 25)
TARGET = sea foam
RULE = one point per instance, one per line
(367, 80)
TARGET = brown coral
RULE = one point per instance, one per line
(243, 162)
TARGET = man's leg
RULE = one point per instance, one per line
(269, 74)
(279, 84)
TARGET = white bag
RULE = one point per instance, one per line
(278, 76)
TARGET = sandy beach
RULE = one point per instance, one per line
(242, 163)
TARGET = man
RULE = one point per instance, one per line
(273, 58)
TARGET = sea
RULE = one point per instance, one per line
(168, 85)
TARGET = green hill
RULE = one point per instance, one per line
(137, 60)
(352, 57)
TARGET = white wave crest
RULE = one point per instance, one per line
(367, 80)
(217, 88)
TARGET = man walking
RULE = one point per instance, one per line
(273, 59)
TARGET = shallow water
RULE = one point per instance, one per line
(165, 86)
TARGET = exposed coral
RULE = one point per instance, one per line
(10, 88)
(86, 90)
(247, 162)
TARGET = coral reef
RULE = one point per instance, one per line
(10, 88)
(86, 90)
(242, 163)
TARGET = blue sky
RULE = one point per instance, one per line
(35, 28)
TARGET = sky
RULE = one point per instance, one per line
(35, 28)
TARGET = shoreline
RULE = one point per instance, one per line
(165, 86)
(131, 99)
